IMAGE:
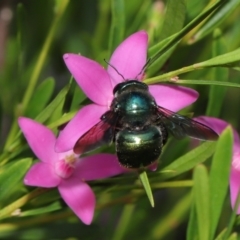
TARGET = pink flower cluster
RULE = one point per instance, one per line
(59, 166)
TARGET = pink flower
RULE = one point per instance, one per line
(98, 83)
(218, 126)
(65, 170)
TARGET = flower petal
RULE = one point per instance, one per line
(41, 175)
(91, 77)
(86, 118)
(153, 167)
(218, 125)
(63, 169)
(40, 139)
(79, 197)
(98, 166)
(129, 58)
(173, 98)
(234, 187)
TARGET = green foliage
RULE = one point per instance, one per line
(40, 98)
(202, 198)
(220, 167)
(216, 93)
(192, 43)
(145, 182)
(11, 174)
(117, 24)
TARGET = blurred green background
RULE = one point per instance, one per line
(85, 27)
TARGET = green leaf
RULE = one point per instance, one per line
(50, 208)
(11, 175)
(1, 116)
(78, 98)
(139, 13)
(230, 60)
(219, 176)
(60, 6)
(65, 106)
(168, 156)
(173, 22)
(48, 111)
(233, 236)
(207, 82)
(194, 7)
(46, 198)
(172, 219)
(225, 60)
(20, 33)
(117, 24)
(232, 219)
(221, 234)
(189, 160)
(154, 20)
(158, 64)
(216, 19)
(40, 98)
(216, 94)
(202, 201)
(63, 119)
(159, 49)
(192, 229)
(98, 39)
(124, 222)
(59, 110)
(174, 18)
(146, 185)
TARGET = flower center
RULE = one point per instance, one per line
(236, 161)
(65, 167)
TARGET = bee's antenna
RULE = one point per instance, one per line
(114, 69)
(144, 68)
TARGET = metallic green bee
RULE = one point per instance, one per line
(139, 127)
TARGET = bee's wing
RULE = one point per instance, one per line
(99, 134)
(180, 126)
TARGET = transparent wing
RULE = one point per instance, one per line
(180, 126)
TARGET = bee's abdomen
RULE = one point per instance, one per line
(140, 148)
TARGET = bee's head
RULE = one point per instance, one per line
(129, 85)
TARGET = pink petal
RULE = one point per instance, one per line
(40, 139)
(91, 77)
(234, 187)
(79, 197)
(173, 98)
(41, 175)
(98, 166)
(86, 118)
(218, 125)
(129, 58)
(153, 167)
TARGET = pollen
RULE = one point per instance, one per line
(70, 159)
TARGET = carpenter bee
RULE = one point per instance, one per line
(139, 127)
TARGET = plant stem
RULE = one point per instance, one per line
(36, 71)
(8, 210)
